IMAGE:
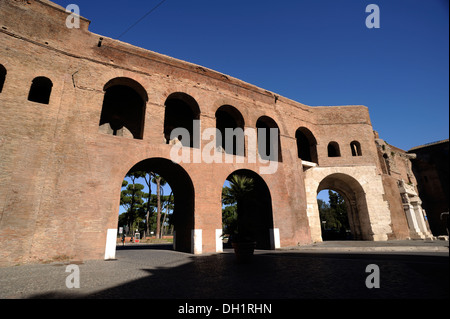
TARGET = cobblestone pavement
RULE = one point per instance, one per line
(321, 272)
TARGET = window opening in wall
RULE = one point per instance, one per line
(333, 150)
(387, 164)
(2, 77)
(306, 145)
(228, 117)
(269, 151)
(181, 111)
(40, 90)
(123, 109)
(356, 148)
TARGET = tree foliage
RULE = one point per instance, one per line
(334, 214)
(234, 217)
(142, 209)
(229, 219)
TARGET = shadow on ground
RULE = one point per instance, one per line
(275, 275)
(145, 247)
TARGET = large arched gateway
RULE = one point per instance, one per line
(355, 200)
(184, 199)
(363, 191)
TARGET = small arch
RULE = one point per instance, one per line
(40, 90)
(181, 111)
(123, 109)
(333, 149)
(306, 145)
(267, 148)
(355, 146)
(228, 116)
(2, 77)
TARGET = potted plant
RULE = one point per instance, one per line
(240, 231)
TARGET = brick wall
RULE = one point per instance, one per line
(61, 177)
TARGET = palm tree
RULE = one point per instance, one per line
(237, 194)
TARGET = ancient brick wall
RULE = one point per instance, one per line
(61, 174)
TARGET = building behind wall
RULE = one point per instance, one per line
(401, 192)
(79, 110)
(431, 168)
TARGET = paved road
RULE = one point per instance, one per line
(139, 272)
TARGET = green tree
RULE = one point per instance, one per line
(236, 194)
(140, 206)
(167, 206)
(131, 198)
(334, 214)
(159, 181)
(339, 209)
(150, 178)
(229, 219)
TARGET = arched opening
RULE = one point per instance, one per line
(333, 149)
(387, 164)
(181, 111)
(247, 209)
(269, 146)
(123, 109)
(2, 77)
(181, 205)
(356, 148)
(352, 194)
(306, 145)
(40, 90)
(228, 117)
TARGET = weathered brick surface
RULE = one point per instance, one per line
(60, 178)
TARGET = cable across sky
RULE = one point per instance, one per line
(142, 18)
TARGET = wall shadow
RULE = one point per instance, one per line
(285, 276)
(145, 247)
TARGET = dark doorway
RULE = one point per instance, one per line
(253, 211)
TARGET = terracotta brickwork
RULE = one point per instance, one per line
(61, 171)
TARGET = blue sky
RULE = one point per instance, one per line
(315, 52)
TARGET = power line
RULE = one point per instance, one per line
(143, 17)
